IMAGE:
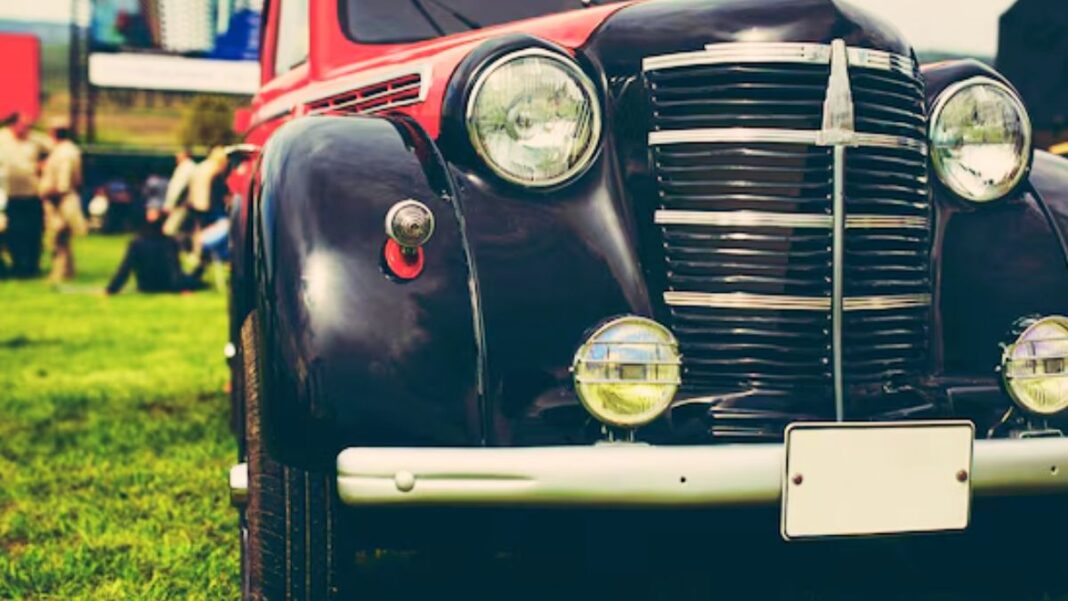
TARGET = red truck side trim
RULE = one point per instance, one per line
(338, 65)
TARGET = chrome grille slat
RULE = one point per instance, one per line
(745, 182)
(779, 53)
(787, 220)
(777, 136)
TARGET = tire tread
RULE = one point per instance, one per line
(291, 511)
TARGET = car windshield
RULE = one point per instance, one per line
(394, 21)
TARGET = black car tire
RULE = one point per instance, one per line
(291, 548)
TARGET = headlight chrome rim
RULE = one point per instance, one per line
(581, 79)
(938, 108)
(1009, 376)
(674, 359)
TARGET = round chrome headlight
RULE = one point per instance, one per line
(980, 139)
(533, 116)
(627, 371)
(1035, 367)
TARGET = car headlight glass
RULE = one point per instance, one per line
(980, 139)
(628, 371)
(533, 116)
(1035, 367)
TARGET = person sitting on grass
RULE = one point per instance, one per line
(153, 258)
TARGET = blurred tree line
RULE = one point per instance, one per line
(208, 121)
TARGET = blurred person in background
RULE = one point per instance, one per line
(206, 199)
(21, 150)
(98, 209)
(120, 206)
(207, 189)
(177, 188)
(60, 179)
(154, 191)
(152, 257)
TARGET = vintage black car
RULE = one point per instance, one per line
(651, 257)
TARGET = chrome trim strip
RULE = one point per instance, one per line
(741, 218)
(886, 222)
(780, 52)
(742, 52)
(776, 302)
(779, 136)
(793, 220)
(732, 134)
(884, 141)
(867, 58)
(638, 475)
(744, 300)
(887, 302)
(838, 282)
(838, 130)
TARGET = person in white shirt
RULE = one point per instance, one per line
(22, 150)
(61, 178)
(174, 202)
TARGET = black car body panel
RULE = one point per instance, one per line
(477, 350)
(351, 353)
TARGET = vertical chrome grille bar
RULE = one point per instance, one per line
(837, 280)
(839, 129)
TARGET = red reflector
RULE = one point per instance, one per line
(403, 265)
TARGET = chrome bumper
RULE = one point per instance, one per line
(636, 475)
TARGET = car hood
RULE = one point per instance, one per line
(654, 28)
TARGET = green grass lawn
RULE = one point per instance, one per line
(114, 445)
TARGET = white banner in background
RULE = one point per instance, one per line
(173, 73)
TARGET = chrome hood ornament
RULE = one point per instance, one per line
(839, 124)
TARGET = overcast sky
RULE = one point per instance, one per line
(968, 26)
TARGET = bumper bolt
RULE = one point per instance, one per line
(798, 479)
(405, 481)
(962, 476)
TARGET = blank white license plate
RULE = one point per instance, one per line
(844, 479)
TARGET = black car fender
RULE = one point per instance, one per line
(345, 347)
(995, 262)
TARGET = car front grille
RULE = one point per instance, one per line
(746, 180)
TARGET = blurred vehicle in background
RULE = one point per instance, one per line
(20, 75)
(20, 100)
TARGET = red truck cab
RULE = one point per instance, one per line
(310, 65)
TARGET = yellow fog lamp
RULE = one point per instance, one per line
(628, 371)
(1035, 367)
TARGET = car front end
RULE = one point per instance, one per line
(717, 254)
